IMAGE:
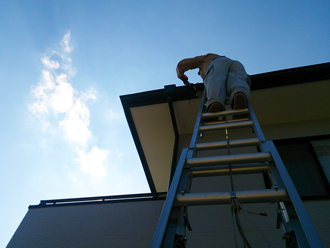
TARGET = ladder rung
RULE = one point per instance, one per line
(225, 113)
(232, 125)
(236, 170)
(230, 159)
(225, 121)
(223, 144)
(217, 198)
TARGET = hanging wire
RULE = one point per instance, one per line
(233, 208)
(233, 222)
(240, 229)
(236, 206)
(253, 221)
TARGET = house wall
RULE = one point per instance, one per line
(122, 224)
(131, 224)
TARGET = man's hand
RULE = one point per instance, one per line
(185, 79)
(180, 74)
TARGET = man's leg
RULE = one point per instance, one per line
(215, 83)
(238, 86)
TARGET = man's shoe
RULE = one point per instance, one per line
(213, 108)
(240, 102)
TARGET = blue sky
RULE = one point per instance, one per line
(64, 64)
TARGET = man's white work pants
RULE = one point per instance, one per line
(225, 77)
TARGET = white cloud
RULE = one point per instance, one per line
(50, 64)
(93, 162)
(41, 94)
(66, 43)
(48, 82)
(76, 122)
(55, 95)
(38, 108)
(61, 99)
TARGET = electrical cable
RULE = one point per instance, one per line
(255, 224)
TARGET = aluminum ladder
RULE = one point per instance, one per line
(171, 228)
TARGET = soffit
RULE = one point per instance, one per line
(156, 135)
(292, 103)
(155, 131)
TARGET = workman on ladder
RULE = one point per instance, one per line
(222, 77)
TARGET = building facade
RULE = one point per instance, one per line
(292, 107)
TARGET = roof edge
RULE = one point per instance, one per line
(100, 200)
(265, 80)
(290, 76)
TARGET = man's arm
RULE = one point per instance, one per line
(189, 64)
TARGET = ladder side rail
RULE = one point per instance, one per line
(160, 231)
(177, 225)
(305, 229)
(288, 215)
(176, 229)
(195, 135)
(309, 232)
(286, 223)
(256, 125)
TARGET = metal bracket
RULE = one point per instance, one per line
(186, 221)
(234, 204)
(278, 219)
(180, 241)
(290, 240)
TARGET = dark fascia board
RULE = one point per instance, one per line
(156, 96)
(297, 75)
(258, 81)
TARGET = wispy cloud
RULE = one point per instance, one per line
(55, 95)
(50, 64)
(93, 162)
